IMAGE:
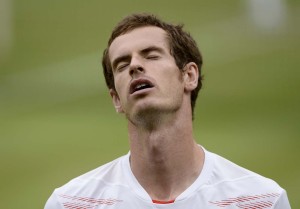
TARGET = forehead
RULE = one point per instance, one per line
(138, 39)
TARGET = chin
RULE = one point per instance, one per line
(151, 113)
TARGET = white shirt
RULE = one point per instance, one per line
(220, 185)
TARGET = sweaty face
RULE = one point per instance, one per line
(147, 79)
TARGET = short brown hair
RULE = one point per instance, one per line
(182, 46)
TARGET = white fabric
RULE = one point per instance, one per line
(221, 185)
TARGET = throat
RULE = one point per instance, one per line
(165, 172)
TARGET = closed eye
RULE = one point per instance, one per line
(122, 66)
(120, 62)
(152, 52)
(152, 57)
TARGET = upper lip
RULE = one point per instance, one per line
(135, 83)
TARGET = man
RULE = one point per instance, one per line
(153, 72)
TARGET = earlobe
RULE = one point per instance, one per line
(116, 101)
(191, 75)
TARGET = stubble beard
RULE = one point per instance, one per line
(152, 117)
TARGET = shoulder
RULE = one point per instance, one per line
(107, 174)
(229, 181)
(227, 172)
(229, 184)
(106, 180)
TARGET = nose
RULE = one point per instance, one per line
(136, 66)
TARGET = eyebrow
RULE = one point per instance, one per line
(120, 59)
(151, 48)
(143, 52)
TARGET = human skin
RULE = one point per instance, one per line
(165, 158)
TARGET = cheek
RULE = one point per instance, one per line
(172, 75)
(120, 85)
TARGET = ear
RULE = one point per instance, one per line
(116, 101)
(191, 75)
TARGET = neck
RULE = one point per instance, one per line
(165, 159)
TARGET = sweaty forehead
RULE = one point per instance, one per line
(138, 39)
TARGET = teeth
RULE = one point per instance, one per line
(140, 86)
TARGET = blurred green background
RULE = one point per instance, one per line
(57, 119)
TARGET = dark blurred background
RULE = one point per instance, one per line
(57, 119)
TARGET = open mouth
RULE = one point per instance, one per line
(139, 85)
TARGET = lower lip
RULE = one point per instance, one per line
(141, 92)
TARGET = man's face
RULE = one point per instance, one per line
(147, 79)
